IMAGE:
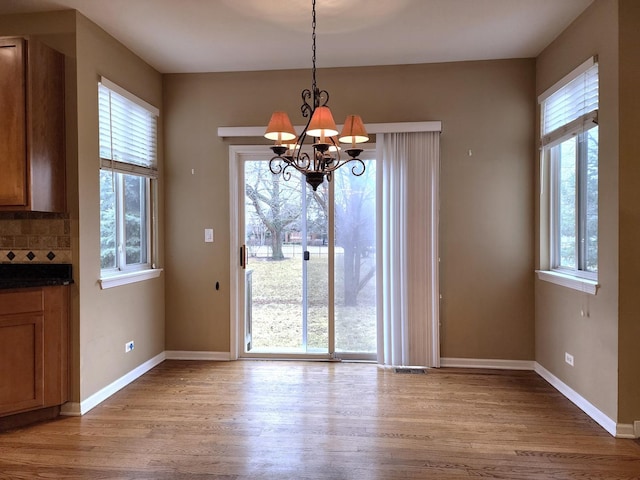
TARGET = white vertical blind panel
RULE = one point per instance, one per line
(128, 131)
(393, 338)
(409, 328)
(577, 98)
(422, 245)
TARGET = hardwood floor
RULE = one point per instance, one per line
(294, 420)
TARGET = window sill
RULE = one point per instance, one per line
(129, 277)
(569, 281)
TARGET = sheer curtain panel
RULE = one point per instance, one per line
(408, 330)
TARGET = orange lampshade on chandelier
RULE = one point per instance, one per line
(321, 128)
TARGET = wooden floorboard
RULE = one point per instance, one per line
(319, 421)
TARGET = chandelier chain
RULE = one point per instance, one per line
(313, 49)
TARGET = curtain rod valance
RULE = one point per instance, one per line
(375, 128)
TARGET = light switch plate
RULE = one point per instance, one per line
(208, 235)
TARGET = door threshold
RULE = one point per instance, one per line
(277, 358)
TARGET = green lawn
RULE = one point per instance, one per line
(277, 307)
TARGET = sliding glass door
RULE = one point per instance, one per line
(355, 261)
(308, 261)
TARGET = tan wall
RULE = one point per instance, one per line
(486, 198)
(110, 318)
(629, 326)
(560, 328)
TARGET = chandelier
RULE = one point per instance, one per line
(324, 157)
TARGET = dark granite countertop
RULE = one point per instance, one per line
(26, 275)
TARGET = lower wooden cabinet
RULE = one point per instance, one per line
(34, 332)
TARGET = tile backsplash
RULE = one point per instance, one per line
(34, 237)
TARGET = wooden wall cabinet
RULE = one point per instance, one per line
(34, 330)
(32, 119)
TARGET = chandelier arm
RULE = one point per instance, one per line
(303, 135)
(337, 145)
(322, 161)
(286, 174)
(276, 167)
(302, 161)
(306, 108)
(322, 98)
(358, 169)
(336, 160)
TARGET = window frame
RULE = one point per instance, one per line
(577, 120)
(111, 161)
(121, 264)
(581, 171)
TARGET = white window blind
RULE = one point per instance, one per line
(128, 131)
(571, 107)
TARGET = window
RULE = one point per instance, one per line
(574, 199)
(128, 173)
(569, 137)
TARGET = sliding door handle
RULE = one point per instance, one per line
(244, 258)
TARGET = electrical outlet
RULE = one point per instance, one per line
(568, 358)
(129, 346)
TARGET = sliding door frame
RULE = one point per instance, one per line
(238, 155)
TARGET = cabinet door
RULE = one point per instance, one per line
(45, 104)
(13, 143)
(21, 362)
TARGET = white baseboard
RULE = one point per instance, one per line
(582, 403)
(487, 363)
(78, 409)
(188, 355)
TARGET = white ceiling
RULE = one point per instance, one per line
(233, 35)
